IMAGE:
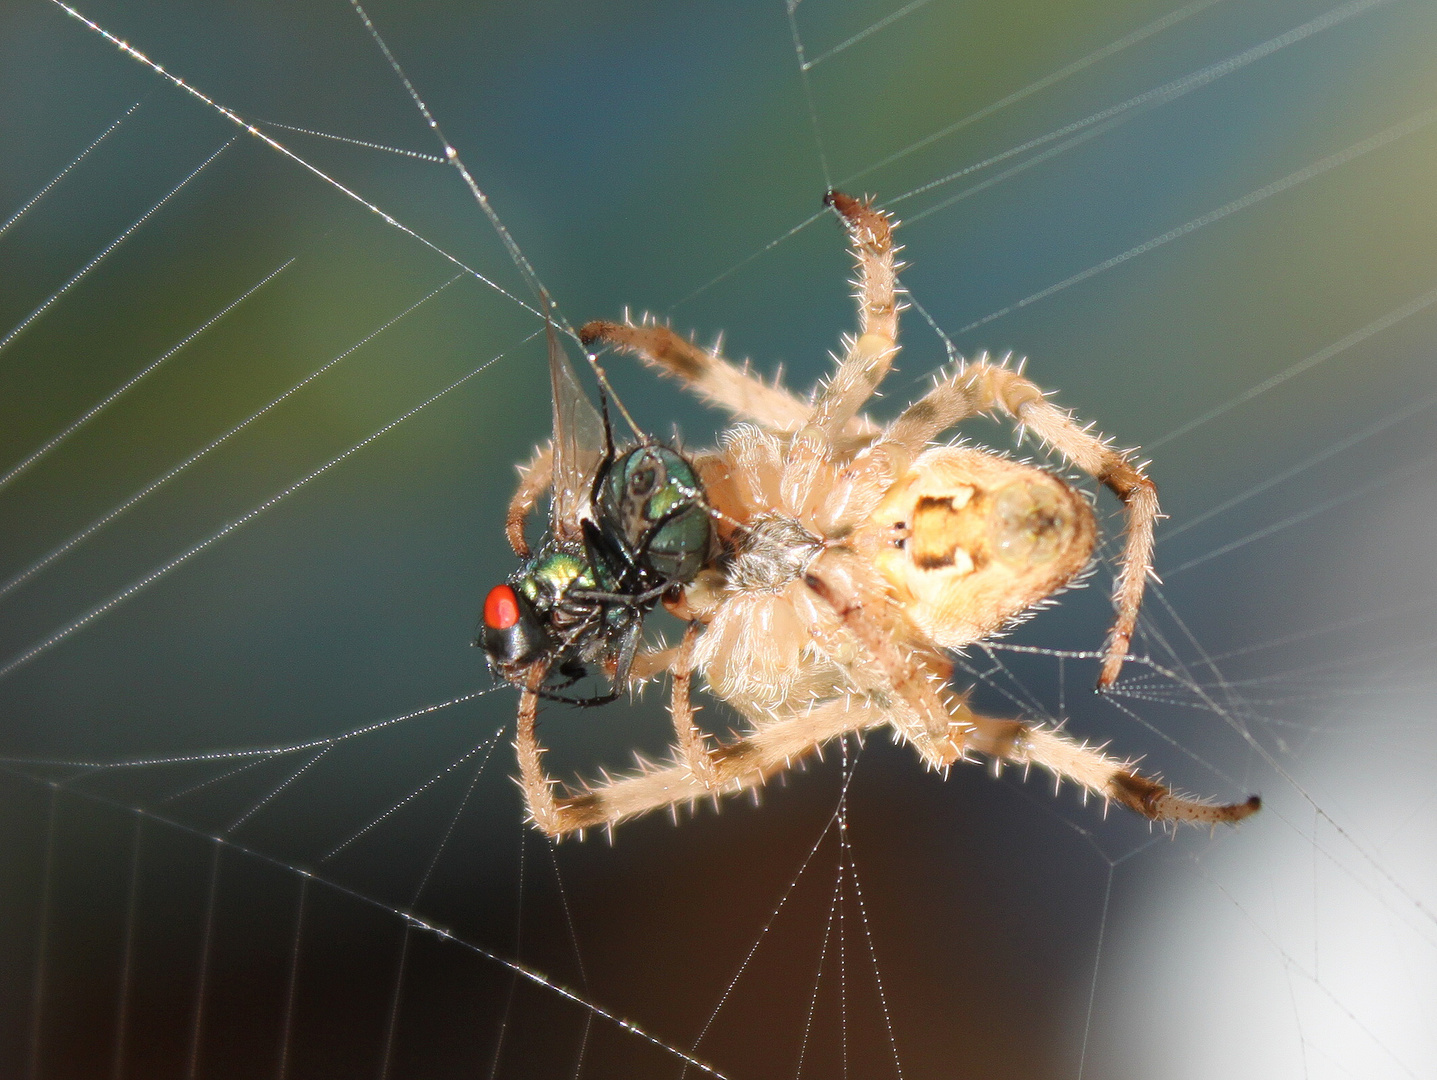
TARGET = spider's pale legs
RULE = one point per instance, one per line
(692, 744)
(534, 480)
(902, 686)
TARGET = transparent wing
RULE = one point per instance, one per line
(579, 444)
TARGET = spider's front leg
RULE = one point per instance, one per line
(738, 765)
(534, 479)
(559, 815)
(538, 788)
(708, 374)
(871, 353)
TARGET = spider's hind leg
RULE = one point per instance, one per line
(1025, 744)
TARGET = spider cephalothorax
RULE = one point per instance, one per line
(853, 557)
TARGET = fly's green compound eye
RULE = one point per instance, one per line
(652, 500)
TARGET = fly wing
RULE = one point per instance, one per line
(579, 445)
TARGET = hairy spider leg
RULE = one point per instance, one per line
(713, 378)
(538, 788)
(692, 744)
(868, 356)
(910, 684)
(736, 765)
(1018, 742)
(951, 728)
(981, 387)
(749, 761)
(535, 476)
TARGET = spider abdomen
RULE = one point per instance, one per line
(969, 541)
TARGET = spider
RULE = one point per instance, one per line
(853, 558)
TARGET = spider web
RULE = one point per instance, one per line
(260, 415)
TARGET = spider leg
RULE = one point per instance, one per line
(776, 745)
(952, 400)
(982, 386)
(652, 662)
(1027, 744)
(692, 745)
(534, 480)
(942, 727)
(739, 764)
(537, 786)
(713, 378)
(877, 466)
(871, 353)
(887, 666)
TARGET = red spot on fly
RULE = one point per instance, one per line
(501, 608)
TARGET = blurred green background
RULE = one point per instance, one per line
(655, 158)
